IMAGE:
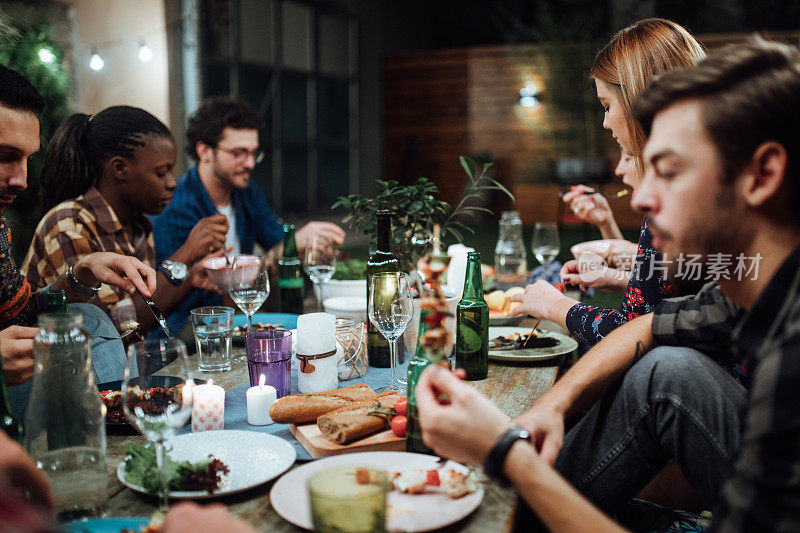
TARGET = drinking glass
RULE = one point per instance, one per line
(340, 503)
(545, 244)
(390, 308)
(248, 287)
(320, 264)
(213, 332)
(161, 417)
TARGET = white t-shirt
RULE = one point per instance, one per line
(231, 238)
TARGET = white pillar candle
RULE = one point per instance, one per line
(259, 400)
(208, 409)
(316, 334)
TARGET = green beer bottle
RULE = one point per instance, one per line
(8, 421)
(472, 324)
(383, 260)
(421, 360)
(290, 277)
(57, 302)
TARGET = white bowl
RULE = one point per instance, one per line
(347, 287)
(350, 306)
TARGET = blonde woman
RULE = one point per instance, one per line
(621, 71)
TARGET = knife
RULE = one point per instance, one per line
(158, 314)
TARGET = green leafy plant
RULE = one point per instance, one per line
(416, 209)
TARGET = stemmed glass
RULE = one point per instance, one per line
(157, 418)
(248, 286)
(320, 263)
(390, 309)
(546, 243)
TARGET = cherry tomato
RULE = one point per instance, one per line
(399, 425)
(433, 478)
(560, 286)
(400, 406)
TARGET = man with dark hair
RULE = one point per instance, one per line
(20, 106)
(720, 182)
(222, 136)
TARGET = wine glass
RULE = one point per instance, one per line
(545, 244)
(320, 263)
(248, 287)
(390, 309)
(157, 417)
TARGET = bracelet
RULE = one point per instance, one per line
(77, 286)
(497, 456)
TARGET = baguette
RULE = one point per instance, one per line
(352, 422)
(306, 408)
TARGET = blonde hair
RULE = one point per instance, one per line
(635, 56)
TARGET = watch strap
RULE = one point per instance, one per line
(497, 456)
(77, 286)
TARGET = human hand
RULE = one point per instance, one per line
(466, 426)
(589, 270)
(540, 299)
(546, 427)
(123, 271)
(622, 255)
(19, 474)
(207, 236)
(188, 517)
(319, 232)
(16, 347)
(588, 206)
(199, 278)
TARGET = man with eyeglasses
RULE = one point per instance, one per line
(222, 136)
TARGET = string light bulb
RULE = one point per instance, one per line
(46, 55)
(96, 62)
(145, 53)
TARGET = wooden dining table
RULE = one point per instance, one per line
(512, 387)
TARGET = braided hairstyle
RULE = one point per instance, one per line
(82, 143)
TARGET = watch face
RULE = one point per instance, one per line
(179, 271)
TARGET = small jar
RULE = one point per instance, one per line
(353, 361)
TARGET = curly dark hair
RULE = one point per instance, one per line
(214, 115)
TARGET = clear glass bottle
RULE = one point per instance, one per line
(472, 324)
(65, 431)
(510, 258)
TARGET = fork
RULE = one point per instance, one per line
(109, 338)
(611, 195)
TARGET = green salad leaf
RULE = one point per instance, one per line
(141, 469)
(350, 269)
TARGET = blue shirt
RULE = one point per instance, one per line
(255, 222)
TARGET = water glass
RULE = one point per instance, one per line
(320, 264)
(269, 353)
(339, 503)
(213, 331)
(545, 243)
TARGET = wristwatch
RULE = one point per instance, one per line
(77, 286)
(175, 272)
(497, 456)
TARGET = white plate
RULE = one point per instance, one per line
(566, 344)
(506, 321)
(406, 512)
(599, 247)
(253, 458)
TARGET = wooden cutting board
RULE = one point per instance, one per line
(318, 446)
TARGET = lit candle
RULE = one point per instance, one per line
(259, 400)
(316, 353)
(208, 409)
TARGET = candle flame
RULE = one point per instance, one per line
(210, 382)
(262, 380)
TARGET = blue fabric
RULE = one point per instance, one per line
(552, 276)
(236, 406)
(255, 222)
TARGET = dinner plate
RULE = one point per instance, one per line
(287, 320)
(566, 344)
(506, 321)
(253, 459)
(599, 247)
(405, 512)
(145, 382)
(104, 525)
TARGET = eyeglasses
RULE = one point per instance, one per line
(241, 154)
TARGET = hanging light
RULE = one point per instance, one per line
(145, 53)
(528, 95)
(46, 55)
(96, 62)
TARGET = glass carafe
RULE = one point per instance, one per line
(510, 264)
(65, 430)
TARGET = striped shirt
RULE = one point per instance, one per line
(82, 226)
(763, 491)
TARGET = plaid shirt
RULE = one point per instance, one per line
(18, 304)
(763, 491)
(255, 222)
(82, 226)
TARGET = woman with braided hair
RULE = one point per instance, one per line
(102, 175)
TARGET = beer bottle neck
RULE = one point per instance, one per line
(289, 244)
(473, 285)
